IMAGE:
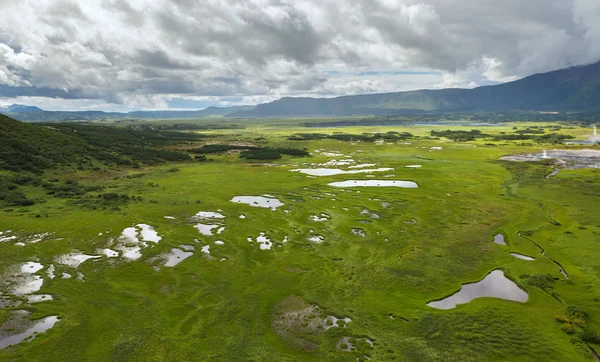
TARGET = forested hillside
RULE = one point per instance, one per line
(35, 147)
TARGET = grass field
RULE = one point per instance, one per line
(237, 303)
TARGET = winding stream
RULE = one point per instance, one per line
(562, 270)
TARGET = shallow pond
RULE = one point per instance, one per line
(31, 267)
(131, 252)
(264, 241)
(208, 215)
(375, 183)
(494, 285)
(258, 201)
(176, 256)
(320, 218)
(336, 171)
(522, 257)
(19, 328)
(499, 239)
(50, 272)
(148, 233)
(317, 239)
(37, 298)
(359, 232)
(26, 284)
(74, 259)
(205, 229)
(108, 253)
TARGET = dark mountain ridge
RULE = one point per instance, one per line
(35, 114)
(570, 89)
(575, 89)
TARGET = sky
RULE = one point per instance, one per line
(122, 55)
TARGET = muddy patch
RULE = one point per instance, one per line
(359, 232)
(295, 320)
(567, 159)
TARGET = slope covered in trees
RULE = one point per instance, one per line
(35, 147)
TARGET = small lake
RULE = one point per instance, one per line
(499, 239)
(375, 183)
(494, 285)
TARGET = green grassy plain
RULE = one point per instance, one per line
(421, 248)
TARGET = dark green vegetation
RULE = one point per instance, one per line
(365, 137)
(33, 148)
(250, 152)
(538, 135)
(242, 303)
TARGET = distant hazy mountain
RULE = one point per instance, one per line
(30, 113)
(19, 108)
(571, 89)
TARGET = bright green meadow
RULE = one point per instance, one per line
(241, 302)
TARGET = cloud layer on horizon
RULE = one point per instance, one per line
(117, 54)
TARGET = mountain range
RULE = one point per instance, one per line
(34, 114)
(574, 89)
(570, 89)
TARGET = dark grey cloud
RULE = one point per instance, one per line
(142, 53)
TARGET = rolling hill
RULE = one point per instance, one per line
(36, 147)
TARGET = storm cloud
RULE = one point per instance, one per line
(145, 53)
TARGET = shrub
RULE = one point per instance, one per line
(573, 311)
(568, 328)
(540, 280)
(561, 319)
(579, 322)
(590, 336)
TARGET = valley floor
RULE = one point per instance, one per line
(308, 271)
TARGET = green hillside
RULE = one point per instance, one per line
(35, 147)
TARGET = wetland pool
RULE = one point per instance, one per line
(494, 285)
